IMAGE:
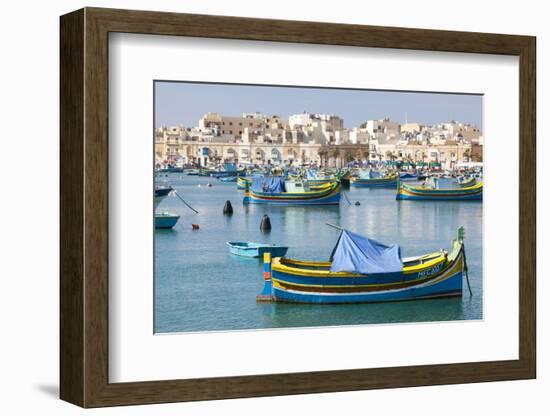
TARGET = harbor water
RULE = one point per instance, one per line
(200, 286)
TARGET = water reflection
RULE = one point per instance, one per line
(199, 286)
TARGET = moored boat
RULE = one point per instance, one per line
(371, 180)
(274, 191)
(251, 249)
(166, 220)
(363, 270)
(406, 176)
(225, 174)
(407, 192)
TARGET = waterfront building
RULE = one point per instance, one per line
(314, 140)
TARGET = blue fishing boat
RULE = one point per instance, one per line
(405, 176)
(225, 174)
(229, 179)
(276, 191)
(229, 170)
(361, 270)
(250, 249)
(165, 220)
(170, 169)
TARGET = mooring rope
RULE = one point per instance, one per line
(466, 269)
(182, 200)
(346, 196)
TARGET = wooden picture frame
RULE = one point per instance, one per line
(84, 207)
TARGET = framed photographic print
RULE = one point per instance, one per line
(257, 207)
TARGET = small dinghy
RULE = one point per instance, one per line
(166, 220)
(250, 249)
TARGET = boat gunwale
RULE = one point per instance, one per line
(280, 264)
(451, 191)
(397, 285)
(328, 191)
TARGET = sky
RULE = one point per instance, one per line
(185, 103)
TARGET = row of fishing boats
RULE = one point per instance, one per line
(359, 269)
(277, 190)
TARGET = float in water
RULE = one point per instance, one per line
(362, 270)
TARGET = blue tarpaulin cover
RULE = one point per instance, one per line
(267, 184)
(357, 254)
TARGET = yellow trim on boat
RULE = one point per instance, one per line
(468, 188)
(428, 280)
(279, 266)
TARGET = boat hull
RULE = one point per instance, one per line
(259, 251)
(227, 174)
(166, 221)
(451, 286)
(473, 193)
(409, 177)
(388, 182)
(327, 196)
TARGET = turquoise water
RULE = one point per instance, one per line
(199, 286)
